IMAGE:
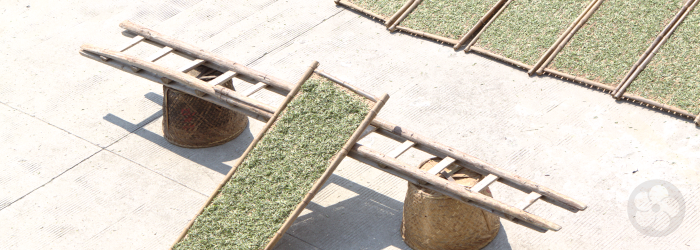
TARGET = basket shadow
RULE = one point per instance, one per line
(366, 220)
(213, 158)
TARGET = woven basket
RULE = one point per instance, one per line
(195, 123)
(435, 221)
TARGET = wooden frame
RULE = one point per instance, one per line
(582, 18)
(264, 112)
(378, 104)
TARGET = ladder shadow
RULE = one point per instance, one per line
(366, 220)
(212, 158)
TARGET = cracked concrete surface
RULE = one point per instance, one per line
(85, 165)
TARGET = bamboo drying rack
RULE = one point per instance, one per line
(619, 91)
(540, 68)
(392, 23)
(378, 104)
(582, 18)
(386, 162)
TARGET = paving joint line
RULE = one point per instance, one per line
(140, 165)
(286, 43)
(55, 177)
(303, 241)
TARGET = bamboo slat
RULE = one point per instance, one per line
(456, 191)
(130, 43)
(348, 86)
(228, 95)
(570, 30)
(257, 139)
(498, 13)
(360, 9)
(427, 35)
(257, 87)
(568, 37)
(484, 183)
(441, 165)
(500, 57)
(400, 149)
(463, 159)
(485, 19)
(203, 54)
(529, 200)
(396, 15)
(336, 160)
(405, 14)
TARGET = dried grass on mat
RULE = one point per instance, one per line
(385, 8)
(673, 76)
(527, 28)
(614, 38)
(447, 18)
(280, 170)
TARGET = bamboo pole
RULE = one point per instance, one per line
(629, 96)
(396, 15)
(578, 79)
(263, 108)
(484, 19)
(360, 9)
(203, 54)
(348, 86)
(651, 51)
(329, 171)
(456, 191)
(257, 139)
(433, 146)
(427, 35)
(471, 162)
(562, 37)
(501, 58)
(661, 106)
(178, 77)
(405, 14)
(229, 104)
(505, 5)
(569, 36)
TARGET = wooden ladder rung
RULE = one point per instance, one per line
(531, 198)
(184, 69)
(126, 46)
(441, 165)
(158, 55)
(218, 80)
(484, 183)
(400, 149)
(257, 87)
(130, 44)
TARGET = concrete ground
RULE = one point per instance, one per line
(85, 165)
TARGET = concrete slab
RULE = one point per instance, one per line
(199, 169)
(140, 192)
(106, 201)
(33, 153)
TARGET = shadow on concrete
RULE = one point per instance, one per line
(366, 220)
(212, 158)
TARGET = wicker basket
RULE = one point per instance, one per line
(195, 123)
(435, 221)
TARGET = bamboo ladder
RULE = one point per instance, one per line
(435, 179)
